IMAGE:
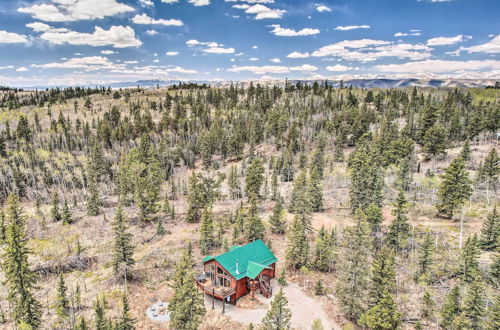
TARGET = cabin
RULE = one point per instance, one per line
(242, 270)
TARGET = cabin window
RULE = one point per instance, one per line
(225, 282)
(210, 271)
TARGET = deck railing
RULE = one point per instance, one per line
(211, 289)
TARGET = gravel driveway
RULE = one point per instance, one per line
(305, 309)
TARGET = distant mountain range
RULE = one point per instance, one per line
(355, 82)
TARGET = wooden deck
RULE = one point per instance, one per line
(213, 290)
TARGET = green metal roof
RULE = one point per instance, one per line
(207, 258)
(252, 259)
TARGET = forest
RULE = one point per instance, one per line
(381, 205)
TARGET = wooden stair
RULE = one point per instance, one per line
(265, 286)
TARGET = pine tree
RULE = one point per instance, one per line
(123, 259)
(81, 324)
(278, 316)
(493, 320)
(374, 217)
(54, 211)
(425, 254)
(275, 195)
(3, 227)
(298, 245)
(455, 188)
(254, 227)
(399, 230)
(490, 233)
(367, 177)
(319, 288)
(276, 220)
(489, 171)
(315, 191)
(20, 280)
(207, 239)
(428, 304)
(126, 322)
(254, 178)
(66, 216)
(383, 315)
(101, 322)
(299, 201)
(434, 142)
(324, 252)
(354, 276)
(470, 256)
(187, 305)
(495, 266)
(234, 183)
(383, 279)
(465, 152)
(474, 307)
(451, 307)
(62, 303)
(94, 202)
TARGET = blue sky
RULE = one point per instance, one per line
(102, 41)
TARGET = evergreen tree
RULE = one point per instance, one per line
(434, 142)
(493, 320)
(425, 254)
(354, 276)
(234, 183)
(490, 233)
(94, 202)
(490, 171)
(274, 187)
(470, 256)
(123, 259)
(62, 303)
(315, 191)
(367, 177)
(399, 230)
(254, 227)
(298, 245)
(383, 315)
(324, 252)
(451, 307)
(299, 201)
(319, 288)
(474, 307)
(374, 217)
(20, 280)
(187, 305)
(454, 189)
(202, 192)
(465, 152)
(278, 316)
(101, 322)
(81, 324)
(383, 275)
(66, 216)
(207, 239)
(3, 227)
(495, 267)
(254, 178)
(54, 211)
(126, 322)
(276, 220)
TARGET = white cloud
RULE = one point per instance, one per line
(491, 47)
(275, 60)
(87, 63)
(351, 27)
(304, 67)
(323, 8)
(266, 69)
(131, 62)
(74, 10)
(169, 1)
(255, 47)
(412, 33)
(367, 50)
(145, 19)
(443, 41)
(198, 3)
(339, 68)
(253, 59)
(12, 38)
(117, 36)
(22, 69)
(6, 67)
(107, 52)
(151, 32)
(298, 55)
(260, 11)
(218, 50)
(440, 66)
(284, 32)
(171, 53)
(39, 26)
(146, 3)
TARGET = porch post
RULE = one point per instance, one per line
(213, 298)
(223, 305)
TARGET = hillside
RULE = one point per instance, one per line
(388, 198)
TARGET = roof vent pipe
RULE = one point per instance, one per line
(237, 270)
